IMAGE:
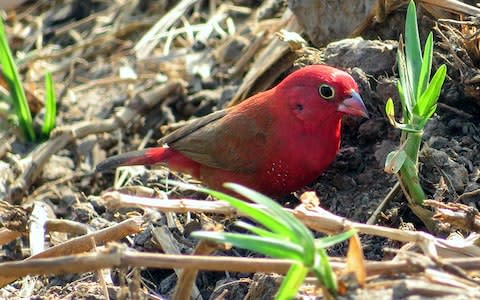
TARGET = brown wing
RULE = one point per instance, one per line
(228, 139)
(191, 126)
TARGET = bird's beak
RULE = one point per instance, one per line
(353, 105)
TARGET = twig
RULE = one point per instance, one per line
(36, 233)
(314, 217)
(169, 245)
(116, 257)
(252, 48)
(90, 18)
(186, 279)
(59, 225)
(81, 244)
(390, 196)
(468, 195)
(116, 200)
(59, 265)
(29, 11)
(69, 226)
(100, 275)
(423, 289)
(7, 235)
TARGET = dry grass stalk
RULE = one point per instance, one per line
(81, 244)
(169, 244)
(186, 278)
(115, 256)
(314, 217)
(7, 235)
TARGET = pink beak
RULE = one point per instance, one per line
(353, 105)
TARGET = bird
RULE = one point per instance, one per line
(274, 142)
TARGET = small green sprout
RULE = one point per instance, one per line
(279, 235)
(17, 94)
(418, 96)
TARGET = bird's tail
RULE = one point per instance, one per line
(148, 156)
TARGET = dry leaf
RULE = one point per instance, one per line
(355, 260)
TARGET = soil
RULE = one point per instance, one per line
(97, 79)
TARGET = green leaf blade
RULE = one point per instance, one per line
(323, 271)
(16, 89)
(259, 231)
(413, 50)
(50, 107)
(329, 241)
(267, 246)
(426, 66)
(404, 84)
(430, 97)
(292, 282)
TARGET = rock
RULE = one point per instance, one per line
(438, 142)
(373, 57)
(438, 164)
(329, 20)
(365, 88)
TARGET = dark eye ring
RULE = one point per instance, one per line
(326, 91)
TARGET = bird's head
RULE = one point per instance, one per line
(319, 90)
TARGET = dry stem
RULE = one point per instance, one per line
(76, 245)
(314, 217)
(114, 256)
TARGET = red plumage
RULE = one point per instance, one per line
(274, 142)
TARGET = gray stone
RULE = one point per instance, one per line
(438, 164)
(373, 57)
(328, 20)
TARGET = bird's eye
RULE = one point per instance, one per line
(326, 91)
